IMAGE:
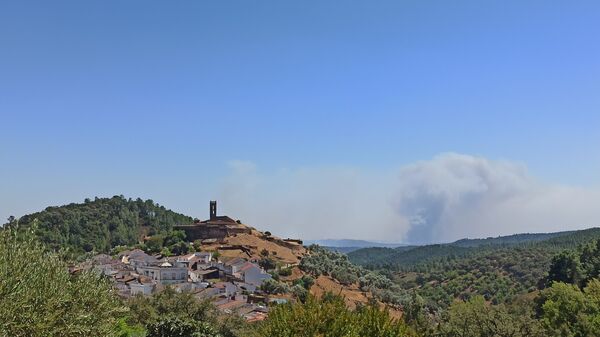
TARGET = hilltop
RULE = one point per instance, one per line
(100, 224)
(110, 225)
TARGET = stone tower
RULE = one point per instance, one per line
(213, 209)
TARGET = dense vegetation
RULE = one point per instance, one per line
(329, 316)
(173, 314)
(499, 270)
(322, 261)
(38, 296)
(100, 224)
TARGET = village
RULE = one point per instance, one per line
(229, 275)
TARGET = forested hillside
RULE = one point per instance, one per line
(509, 239)
(101, 223)
(497, 269)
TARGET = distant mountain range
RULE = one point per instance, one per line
(413, 254)
(349, 245)
(352, 243)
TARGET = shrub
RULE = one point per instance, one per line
(285, 271)
(39, 297)
(330, 317)
(180, 327)
(273, 287)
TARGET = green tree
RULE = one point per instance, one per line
(154, 244)
(565, 267)
(330, 317)
(174, 237)
(181, 327)
(476, 318)
(267, 263)
(306, 281)
(415, 313)
(100, 224)
(570, 312)
(169, 308)
(39, 297)
(271, 286)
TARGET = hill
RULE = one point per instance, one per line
(509, 239)
(343, 243)
(346, 246)
(407, 256)
(101, 224)
(499, 269)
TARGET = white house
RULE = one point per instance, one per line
(165, 273)
(253, 274)
(141, 288)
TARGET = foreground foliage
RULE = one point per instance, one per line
(330, 317)
(172, 314)
(476, 318)
(38, 296)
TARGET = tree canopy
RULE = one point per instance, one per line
(39, 297)
(101, 224)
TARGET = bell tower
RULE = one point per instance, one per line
(213, 209)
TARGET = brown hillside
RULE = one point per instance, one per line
(231, 239)
(250, 246)
(351, 293)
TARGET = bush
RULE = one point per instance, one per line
(39, 297)
(169, 307)
(285, 271)
(306, 281)
(299, 292)
(180, 327)
(344, 276)
(271, 286)
(267, 263)
(330, 317)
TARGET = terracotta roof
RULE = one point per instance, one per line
(145, 279)
(247, 266)
(231, 304)
(206, 271)
(128, 279)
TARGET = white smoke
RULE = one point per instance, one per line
(448, 197)
(311, 202)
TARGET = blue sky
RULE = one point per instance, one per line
(163, 100)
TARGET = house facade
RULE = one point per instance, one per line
(165, 273)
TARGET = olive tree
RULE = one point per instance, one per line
(39, 297)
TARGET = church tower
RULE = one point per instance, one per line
(213, 209)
